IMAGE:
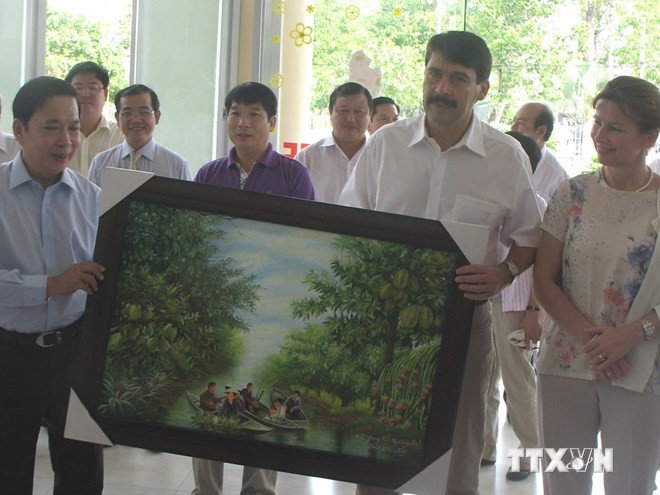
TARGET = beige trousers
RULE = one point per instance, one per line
(573, 411)
(519, 380)
(209, 479)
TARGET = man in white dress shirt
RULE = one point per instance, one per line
(9, 147)
(97, 133)
(385, 112)
(446, 164)
(331, 160)
(138, 113)
(537, 121)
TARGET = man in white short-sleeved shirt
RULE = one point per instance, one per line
(9, 147)
(138, 113)
(331, 160)
(537, 121)
(91, 82)
(446, 164)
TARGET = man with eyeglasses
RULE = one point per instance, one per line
(138, 113)
(97, 134)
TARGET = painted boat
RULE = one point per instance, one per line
(246, 422)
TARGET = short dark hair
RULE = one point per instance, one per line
(137, 89)
(350, 89)
(250, 93)
(529, 145)
(89, 68)
(383, 100)
(637, 98)
(465, 48)
(33, 94)
(546, 118)
(211, 384)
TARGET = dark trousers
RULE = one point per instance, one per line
(34, 387)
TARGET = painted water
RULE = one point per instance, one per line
(280, 270)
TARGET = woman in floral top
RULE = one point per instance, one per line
(599, 369)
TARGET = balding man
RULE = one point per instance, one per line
(9, 147)
(537, 121)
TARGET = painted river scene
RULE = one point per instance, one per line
(338, 336)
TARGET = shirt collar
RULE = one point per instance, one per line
(473, 139)
(103, 123)
(20, 175)
(329, 141)
(269, 159)
(148, 150)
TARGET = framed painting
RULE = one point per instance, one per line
(275, 332)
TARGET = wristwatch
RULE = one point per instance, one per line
(648, 328)
(513, 269)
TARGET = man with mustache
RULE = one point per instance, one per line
(331, 160)
(447, 164)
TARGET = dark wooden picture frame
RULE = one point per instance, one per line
(375, 298)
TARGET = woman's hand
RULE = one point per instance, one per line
(607, 348)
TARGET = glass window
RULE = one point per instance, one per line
(558, 51)
(18, 52)
(94, 30)
(178, 53)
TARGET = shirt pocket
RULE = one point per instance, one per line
(468, 209)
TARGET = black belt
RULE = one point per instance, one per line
(44, 340)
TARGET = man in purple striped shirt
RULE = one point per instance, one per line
(252, 165)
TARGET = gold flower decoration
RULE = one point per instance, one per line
(275, 39)
(352, 12)
(279, 7)
(310, 9)
(302, 34)
(398, 12)
(276, 80)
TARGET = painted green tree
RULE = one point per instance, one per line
(376, 303)
(180, 303)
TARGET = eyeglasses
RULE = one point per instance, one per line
(129, 114)
(92, 88)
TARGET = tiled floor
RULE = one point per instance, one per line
(130, 471)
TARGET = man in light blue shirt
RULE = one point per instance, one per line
(138, 113)
(48, 223)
